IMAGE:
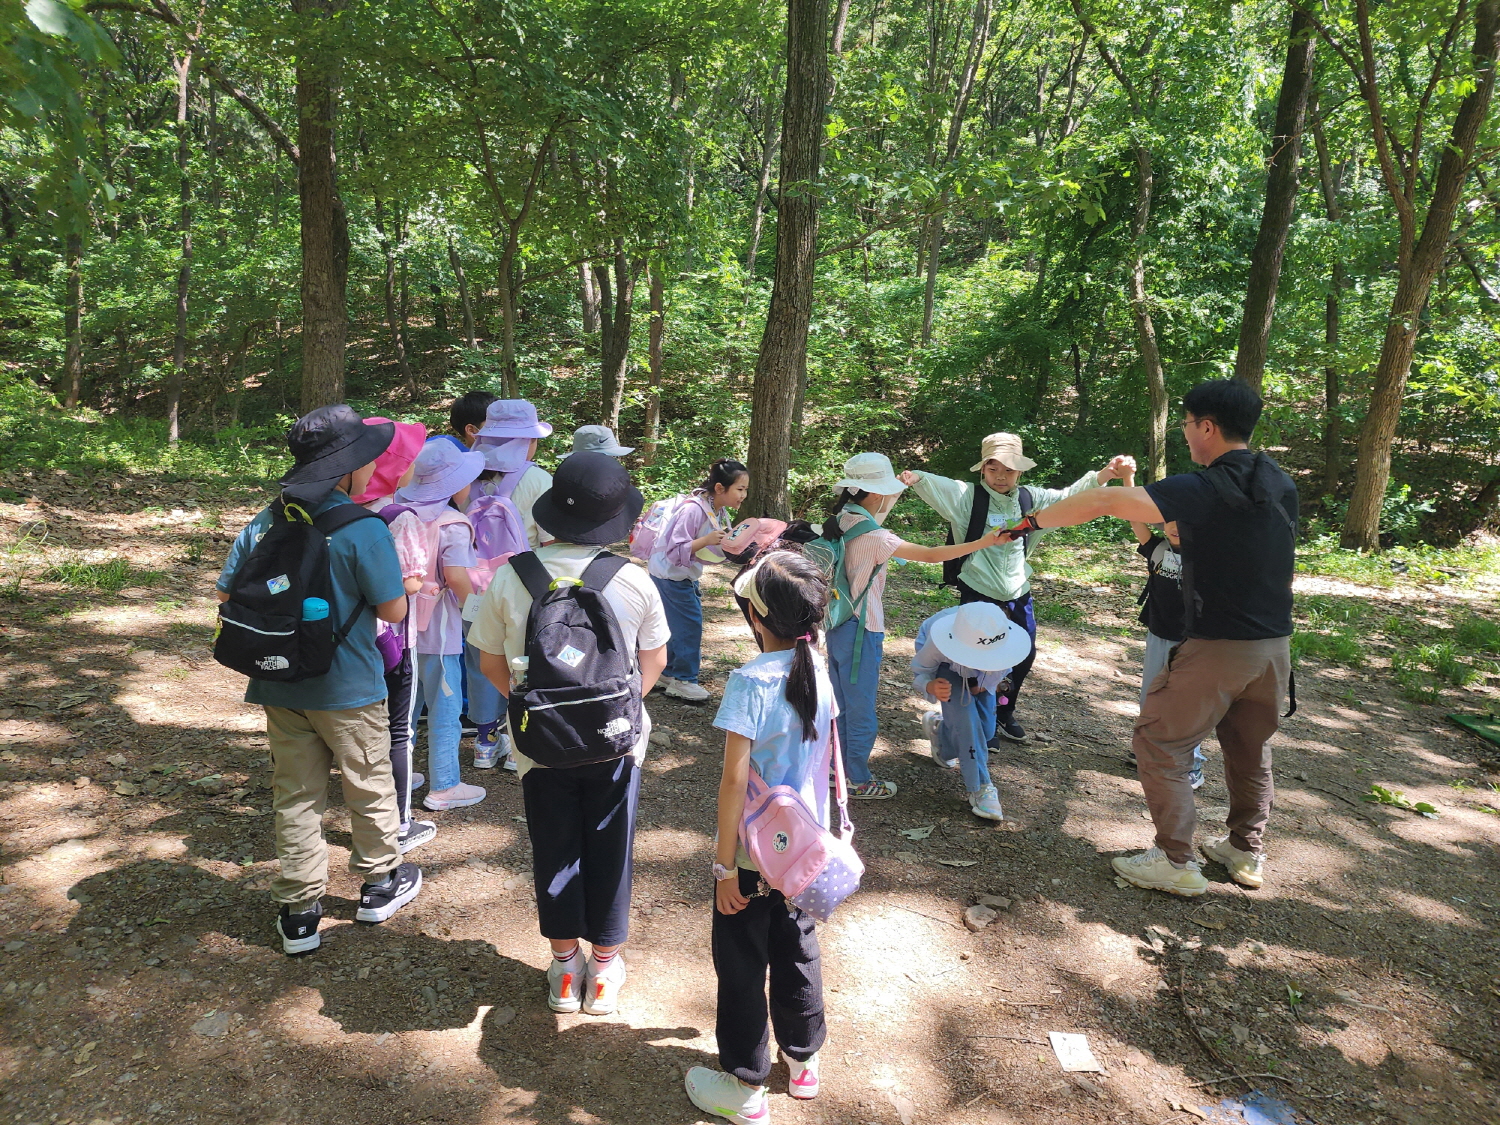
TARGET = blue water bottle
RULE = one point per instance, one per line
(314, 609)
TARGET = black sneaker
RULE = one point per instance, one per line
(378, 901)
(299, 932)
(1007, 727)
(415, 834)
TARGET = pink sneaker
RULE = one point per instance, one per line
(804, 1081)
(455, 798)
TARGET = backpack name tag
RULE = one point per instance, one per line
(279, 585)
(570, 656)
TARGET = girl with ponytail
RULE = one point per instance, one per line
(689, 538)
(777, 715)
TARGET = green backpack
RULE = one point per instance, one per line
(843, 603)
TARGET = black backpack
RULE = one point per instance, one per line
(976, 529)
(261, 632)
(580, 701)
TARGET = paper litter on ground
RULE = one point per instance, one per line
(1073, 1053)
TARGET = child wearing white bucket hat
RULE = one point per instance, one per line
(863, 498)
(964, 654)
(1001, 574)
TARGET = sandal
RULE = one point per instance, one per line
(873, 790)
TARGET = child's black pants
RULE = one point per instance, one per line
(582, 826)
(766, 935)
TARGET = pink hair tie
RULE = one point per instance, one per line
(808, 637)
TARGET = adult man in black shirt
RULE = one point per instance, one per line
(1237, 523)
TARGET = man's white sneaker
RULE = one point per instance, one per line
(601, 986)
(662, 683)
(565, 984)
(687, 692)
(803, 1082)
(722, 1094)
(1153, 871)
(1245, 868)
(932, 723)
(986, 803)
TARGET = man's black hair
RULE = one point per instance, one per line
(1229, 402)
(468, 410)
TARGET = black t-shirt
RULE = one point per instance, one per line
(1237, 522)
(1163, 613)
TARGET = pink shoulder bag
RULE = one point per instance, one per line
(814, 868)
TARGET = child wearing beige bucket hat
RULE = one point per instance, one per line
(863, 498)
(1001, 574)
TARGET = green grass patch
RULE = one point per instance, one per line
(1338, 646)
(109, 575)
(1057, 613)
(1401, 566)
(1477, 633)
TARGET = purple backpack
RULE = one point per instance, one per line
(391, 639)
(812, 867)
(499, 528)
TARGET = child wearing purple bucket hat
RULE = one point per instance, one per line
(508, 441)
(439, 489)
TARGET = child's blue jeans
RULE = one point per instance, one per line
(442, 690)
(484, 697)
(856, 699)
(962, 734)
(684, 608)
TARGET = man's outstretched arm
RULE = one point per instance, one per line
(1124, 503)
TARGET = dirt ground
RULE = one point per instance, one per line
(140, 980)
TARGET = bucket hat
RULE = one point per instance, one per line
(1005, 448)
(391, 465)
(982, 637)
(329, 443)
(599, 439)
(513, 417)
(591, 501)
(441, 471)
(871, 472)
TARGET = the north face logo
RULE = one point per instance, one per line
(273, 663)
(615, 727)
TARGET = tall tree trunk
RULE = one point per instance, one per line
(840, 24)
(510, 377)
(770, 138)
(1372, 471)
(589, 298)
(614, 351)
(73, 320)
(325, 226)
(1145, 330)
(1081, 391)
(463, 293)
(653, 396)
(933, 236)
(1281, 201)
(398, 343)
(1333, 439)
(439, 307)
(184, 68)
(780, 367)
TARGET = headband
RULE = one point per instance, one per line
(746, 585)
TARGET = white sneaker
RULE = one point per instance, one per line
(932, 723)
(1245, 868)
(1155, 872)
(662, 683)
(687, 692)
(456, 798)
(565, 984)
(725, 1095)
(804, 1077)
(601, 987)
(417, 781)
(986, 803)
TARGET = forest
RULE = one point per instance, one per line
(782, 232)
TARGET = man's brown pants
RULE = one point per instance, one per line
(1232, 689)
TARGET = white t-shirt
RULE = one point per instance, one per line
(534, 482)
(500, 628)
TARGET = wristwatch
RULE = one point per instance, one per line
(1027, 525)
(721, 872)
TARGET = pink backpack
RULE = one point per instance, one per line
(654, 520)
(424, 601)
(813, 868)
(499, 528)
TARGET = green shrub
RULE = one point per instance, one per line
(1477, 634)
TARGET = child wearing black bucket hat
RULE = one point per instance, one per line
(581, 819)
(339, 718)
